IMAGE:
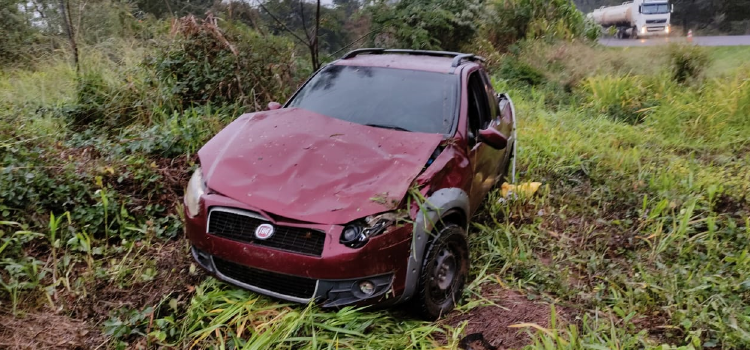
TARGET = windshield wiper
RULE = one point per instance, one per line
(392, 127)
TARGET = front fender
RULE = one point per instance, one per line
(429, 215)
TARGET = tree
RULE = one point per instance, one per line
(15, 31)
(299, 19)
(427, 24)
(175, 8)
(68, 25)
(349, 7)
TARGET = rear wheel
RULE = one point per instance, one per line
(444, 271)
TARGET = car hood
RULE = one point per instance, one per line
(309, 167)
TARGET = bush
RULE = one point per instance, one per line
(515, 70)
(208, 64)
(515, 20)
(427, 24)
(15, 33)
(104, 104)
(688, 62)
(623, 98)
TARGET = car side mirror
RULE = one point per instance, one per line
(672, 10)
(493, 138)
(640, 9)
(272, 106)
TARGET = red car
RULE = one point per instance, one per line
(359, 191)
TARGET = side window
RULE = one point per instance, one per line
(479, 110)
(494, 110)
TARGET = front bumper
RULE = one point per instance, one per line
(331, 279)
(654, 31)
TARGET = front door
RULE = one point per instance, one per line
(484, 159)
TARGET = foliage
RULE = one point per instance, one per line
(518, 71)
(514, 20)
(688, 62)
(298, 16)
(623, 98)
(426, 24)
(15, 32)
(208, 64)
(639, 234)
(175, 8)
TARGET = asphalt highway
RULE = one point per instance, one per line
(743, 40)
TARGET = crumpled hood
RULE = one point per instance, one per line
(309, 167)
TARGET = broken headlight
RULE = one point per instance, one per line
(195, 189)
(356, 235)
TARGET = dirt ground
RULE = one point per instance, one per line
(43, 328)
(493, 322)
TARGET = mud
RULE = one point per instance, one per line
(493, 322)
(46, 330)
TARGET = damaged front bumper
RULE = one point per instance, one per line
(328, 293)
(334, 276)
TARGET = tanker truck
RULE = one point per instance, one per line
(636, 19)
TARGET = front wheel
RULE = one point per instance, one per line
(444, 271)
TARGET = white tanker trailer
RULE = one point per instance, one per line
(639, 18)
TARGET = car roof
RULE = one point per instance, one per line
(428, 61)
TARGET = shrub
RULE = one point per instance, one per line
(518, 71)
(234, 64)
(427, 24)
(514, 20)
(688, 62)
(623, 98)
(101, 104)
(15, 32)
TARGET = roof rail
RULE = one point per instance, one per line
(457, 56)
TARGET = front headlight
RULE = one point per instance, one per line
(357, 234)
(195, 189)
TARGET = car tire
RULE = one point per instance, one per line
(445, 268)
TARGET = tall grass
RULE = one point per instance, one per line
(639, 232)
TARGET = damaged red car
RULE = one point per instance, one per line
(359, 191)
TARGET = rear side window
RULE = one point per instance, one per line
(402, 99)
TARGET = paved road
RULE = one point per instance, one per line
(698, 40)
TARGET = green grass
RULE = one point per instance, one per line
(639, 232)
(728, 59)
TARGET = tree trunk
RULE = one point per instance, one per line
(315, 45)
(65, 11)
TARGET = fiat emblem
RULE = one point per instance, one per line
(264, 231)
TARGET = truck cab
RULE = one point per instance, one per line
(653, 18)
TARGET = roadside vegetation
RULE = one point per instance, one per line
(638, 237)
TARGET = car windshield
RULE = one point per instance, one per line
(655, 9)
(383, 97)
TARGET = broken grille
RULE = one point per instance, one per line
(240, 226)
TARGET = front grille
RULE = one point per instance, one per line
(298, 287)
(655, 21)
(656, 29)
(239, 227)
